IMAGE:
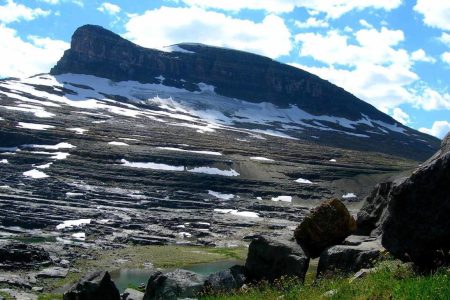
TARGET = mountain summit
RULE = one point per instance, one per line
(308, 107)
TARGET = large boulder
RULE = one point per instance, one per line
(374, 209)
(417, 224)
(95, 286)
(271, 259)
(346, 259)
(327, 225)
(227, 280)
(174, 285)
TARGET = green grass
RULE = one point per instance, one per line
(50, 297)
(390, 281)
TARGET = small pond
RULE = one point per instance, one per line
(134, 277)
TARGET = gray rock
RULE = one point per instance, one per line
(361, 274)
(38, 289)
(173, 285)
(373, 211)
(53, 272)
(14, 280)
(14, 255)
(132, 294)
(19, 295)
(346, 259)
(271, 259)
(417, 225)
(95, 286)
(227, 280)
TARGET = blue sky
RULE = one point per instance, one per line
(394, 54)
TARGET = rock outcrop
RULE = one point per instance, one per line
(327, 225)
(174, 285)
(15, 255)
(373, 210)
(417, 225)
(227, 280)
(95, 286)
(346, 259)
(271, 259)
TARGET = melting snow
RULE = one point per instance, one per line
(191, 151)
(4, 161)
(305, 181)
(214, 171)
(151, 165)
(36, 174)
(349, 195)
(77, 130)
(73, 223)
(118, 143)
(235, 212)
(220, 195)
(259, 158)
(34, 126)
(38, 112)
(282, 198)
(52, 147)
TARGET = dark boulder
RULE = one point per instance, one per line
(227, 280)
(373, 211)
(95, 286)
(327, 225)
(15, 255)
(271, 259)
(417, 224)
(173, 285)
(346, 259)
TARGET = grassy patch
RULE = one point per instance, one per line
(390, 281)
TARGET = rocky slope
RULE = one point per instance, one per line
(182, 151)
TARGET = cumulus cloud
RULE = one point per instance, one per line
(436, 13)
(446, 57)
(311, 22)
(401, 116)
(439, 129)
(270, 37)
(27, 57)
(109, 8)
(13, 12)
(420, 55)
(332, 8)
(429, 99)
(445, 39)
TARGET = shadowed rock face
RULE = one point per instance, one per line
(97, 51)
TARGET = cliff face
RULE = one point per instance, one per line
(236, 74)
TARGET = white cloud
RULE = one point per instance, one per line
(436, 13)
(109, 8)
(27, 57)
(445, 39)
(270, 37)
(446, 57)
(332, 8)
(312, 22)
(52, 2)
(439, 129)
(401, 116)
(430, 99)
(13, 12)
(420, 55)
(366, 24)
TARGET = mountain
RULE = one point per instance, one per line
(196, 144)
(265, 94)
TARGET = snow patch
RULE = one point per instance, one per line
(214, 171)
(79, 236)
(259, 158)
(35, 174)
(118, 143)
(4, 161)
(34, 126)
(73, 223)
(151, 165)
(349, 195)
(220, 195)
(235, 212)
(282, 198)
(191, 151)
(77, 130)
(305, 181)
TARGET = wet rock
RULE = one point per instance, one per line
(53, 272)
(95, 286)
(417, 225)
(346, 259)
(328, 224)
(15, 255)
(227, 280)
(173, 285)
(132, 294)
(271, 259)
(373, 211)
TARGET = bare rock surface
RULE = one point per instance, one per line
(328, 224)
(94, 286)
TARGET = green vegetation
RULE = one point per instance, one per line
(50, 297)
(390, 281)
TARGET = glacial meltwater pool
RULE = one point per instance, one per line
(134, 277)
